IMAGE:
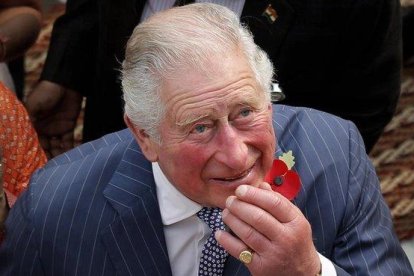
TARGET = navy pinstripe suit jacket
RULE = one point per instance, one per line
(94, 210)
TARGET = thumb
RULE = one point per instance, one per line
(44, 98)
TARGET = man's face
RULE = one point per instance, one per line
(217, 133)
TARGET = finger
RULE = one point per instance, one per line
(272, 202)
(52, 127)
(232, 245)
(252, 224)
(265, 186)
(43, 98)
(247, 233)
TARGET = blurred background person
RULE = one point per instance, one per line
(20, 22)
(21, 153)
(343, 57)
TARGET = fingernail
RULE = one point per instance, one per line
(229, 201)
(241, 190)
(224, 213)
(218, 234)
(267, 186)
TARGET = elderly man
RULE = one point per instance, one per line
(200, 142)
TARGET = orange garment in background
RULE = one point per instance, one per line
(22, 153)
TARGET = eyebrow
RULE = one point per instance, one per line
(191, 120)
(197, 117)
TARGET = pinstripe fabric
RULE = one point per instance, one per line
(94, 211)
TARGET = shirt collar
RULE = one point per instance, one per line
(174, 206)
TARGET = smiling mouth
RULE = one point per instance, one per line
(236, 177)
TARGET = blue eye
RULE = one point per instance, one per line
(200, 128)
(245, 112)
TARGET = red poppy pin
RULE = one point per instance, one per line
(282, 179)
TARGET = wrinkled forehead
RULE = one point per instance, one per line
(193, 95)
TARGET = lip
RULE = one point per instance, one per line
(241, 178)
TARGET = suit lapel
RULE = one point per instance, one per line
(268, 34)
(135, 240)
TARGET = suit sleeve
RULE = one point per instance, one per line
(366, 243)
(71, 57)
(19, 252)
(371, 57)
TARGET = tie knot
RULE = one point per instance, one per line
(212, 217)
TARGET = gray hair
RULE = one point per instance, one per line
(182, 37)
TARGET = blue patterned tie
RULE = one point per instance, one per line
(213, 255)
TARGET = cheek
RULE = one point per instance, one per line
(262, 130)
(264, 139)
(270, 137)
(268, 144)
(187, 160)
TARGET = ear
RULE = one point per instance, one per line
(148, 146)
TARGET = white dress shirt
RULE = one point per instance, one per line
(185, 234)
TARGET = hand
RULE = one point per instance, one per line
(274, 229)
(54, 110)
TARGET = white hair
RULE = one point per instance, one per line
(179, 38)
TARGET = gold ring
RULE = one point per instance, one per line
(246, 256)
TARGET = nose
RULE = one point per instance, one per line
(232, 150)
